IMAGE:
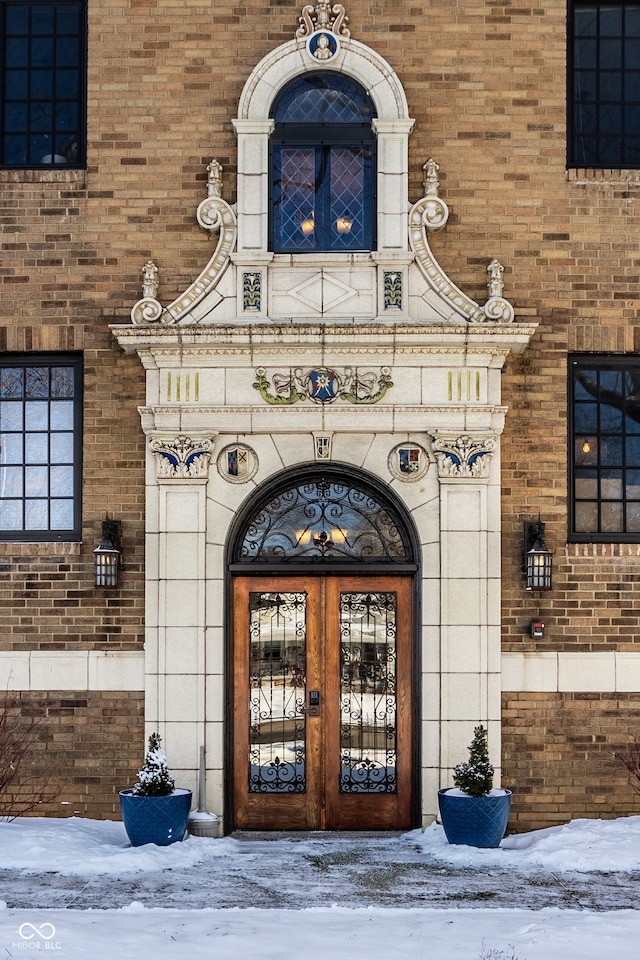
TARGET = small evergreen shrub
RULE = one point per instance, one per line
(154, 778)
(475, 776)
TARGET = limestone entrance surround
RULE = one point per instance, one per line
(376, 360)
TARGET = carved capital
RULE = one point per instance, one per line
(463, 456)
(181, 457)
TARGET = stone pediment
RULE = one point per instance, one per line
(399, 280)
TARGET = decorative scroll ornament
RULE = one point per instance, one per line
(429, 215)
(323, 385)
(463, 456)
(181, 458)
(215, 217)
(323, 16)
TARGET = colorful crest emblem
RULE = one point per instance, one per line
(408, 460)
(323, 385)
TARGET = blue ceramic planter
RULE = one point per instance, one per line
(159, 820)
(476, 821)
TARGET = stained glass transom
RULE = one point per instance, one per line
(323, 98)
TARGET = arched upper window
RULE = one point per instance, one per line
(322, 166)
(323, 518)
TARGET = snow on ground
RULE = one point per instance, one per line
(97, 848)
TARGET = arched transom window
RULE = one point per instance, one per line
(326, 519)
(322, 166)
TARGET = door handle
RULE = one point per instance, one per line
(314, 703)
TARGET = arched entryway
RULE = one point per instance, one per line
(322, 656)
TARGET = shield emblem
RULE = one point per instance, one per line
(323, 385)
(408, 460)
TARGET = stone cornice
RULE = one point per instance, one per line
(244, 337)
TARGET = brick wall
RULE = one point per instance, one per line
(486, 86)
(91, 745)
(558, 756)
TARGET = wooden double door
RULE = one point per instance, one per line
(322, 702)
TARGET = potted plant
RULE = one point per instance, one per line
(473, 812)
(155, 810)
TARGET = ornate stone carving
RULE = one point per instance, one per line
(429, 215)
(323, 16)
(216, 217)
(322, 385)
(463, 456)
(181, 458)
(392, 289)
(150, 280)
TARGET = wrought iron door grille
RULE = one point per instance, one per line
(277, 692)
(368, 734)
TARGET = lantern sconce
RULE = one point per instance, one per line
(538, 560)
(107, 556)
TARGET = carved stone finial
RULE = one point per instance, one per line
(323, 16)
(431, 181)
(214, 179)
(150, 280)
(494, 283)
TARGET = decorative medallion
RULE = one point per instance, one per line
(463, 456)
(237, 463)
(408, 462)
(323, 385)
(322, 46)
(181, 458)
(392, 289)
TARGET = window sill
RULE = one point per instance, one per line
(55, 175)
(597, 175)
(20, 548)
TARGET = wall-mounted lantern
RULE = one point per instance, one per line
(108, 554)
(538, 561)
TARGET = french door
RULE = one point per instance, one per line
(322, 711)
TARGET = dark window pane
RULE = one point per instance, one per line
(42, 84)
(67, 83)
(610, 86)
(586, 21)
(633, 452)
(586, 417)
(17, 84)
(42, 52)
(632, 22)
(611, 21)
(610, 119)
(67, 52)
(42, 18)
(17, 19)
(17, 52)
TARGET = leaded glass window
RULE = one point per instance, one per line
(323, 166)
(40, 447)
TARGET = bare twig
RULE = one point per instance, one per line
(23, 785)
